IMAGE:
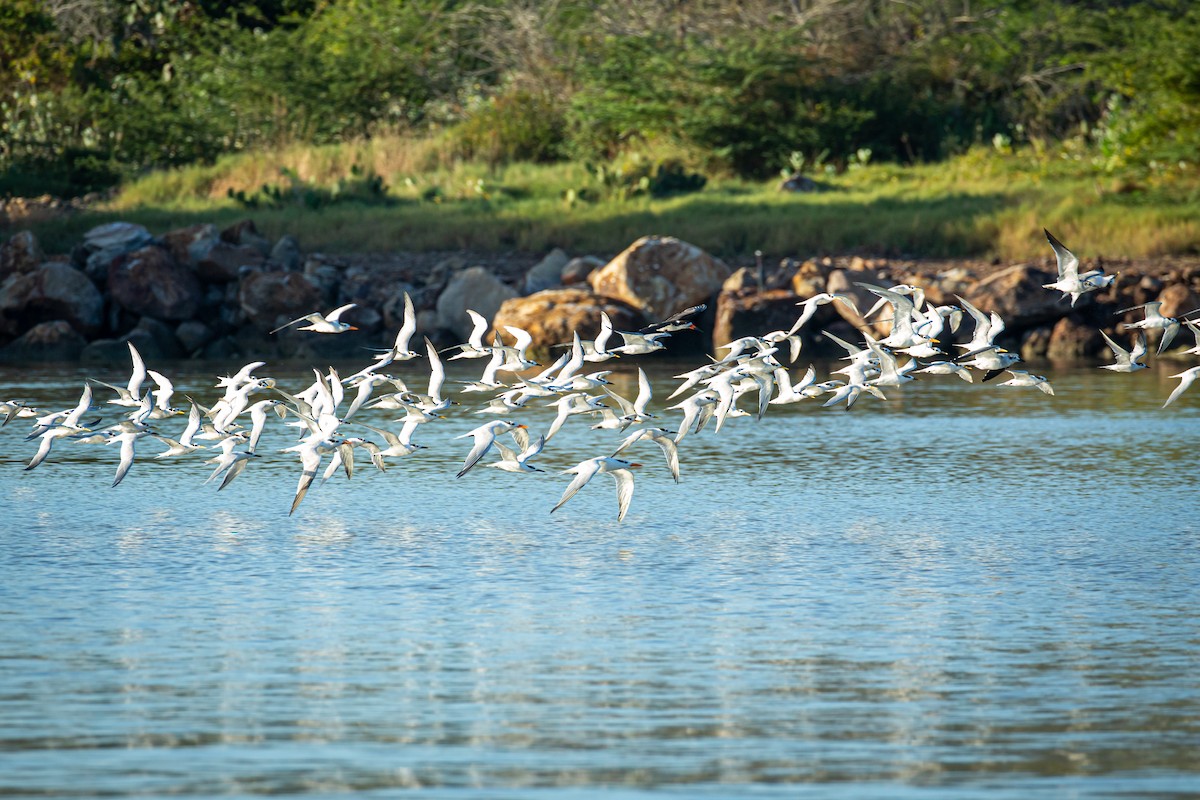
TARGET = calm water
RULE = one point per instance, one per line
(964, 592)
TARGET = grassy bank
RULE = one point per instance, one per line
(392, 194)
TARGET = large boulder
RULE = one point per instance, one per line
(1072, 338)
(270, 299)
(21, 253)
(149, 282)
(553, 315)
(55, 340)
(660, 275)
(52, 291)
(475, 288)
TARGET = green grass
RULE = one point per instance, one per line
(982, 204)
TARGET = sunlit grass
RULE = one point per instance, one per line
(982, 204)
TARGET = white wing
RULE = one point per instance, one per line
(333, 316)
(624, 480)
(584, 472)
(407, 328)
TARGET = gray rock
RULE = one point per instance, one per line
(547, 273)
(578, 269)
(55, 340)
(475, 288)
(286, 254)
(124, 235)
(52, 291)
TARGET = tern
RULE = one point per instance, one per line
(1188, 376)
(585, 470)
(816, 301)
(1154, 320)
(127, 439)
(474, 346)
(484, 436)
(1126, 360)
(130, 395)
(1022, 378)
(511, 461)
(1070, 282)
(184, 444)
(330, 323)
(661, 437)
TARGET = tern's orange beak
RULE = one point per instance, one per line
(352, 328)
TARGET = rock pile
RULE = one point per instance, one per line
(208, 293)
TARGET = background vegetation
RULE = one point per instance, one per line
(1082, 113)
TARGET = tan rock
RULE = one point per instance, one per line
(1072, 339)
(1178, 299)
(552, 315)
(660, 275)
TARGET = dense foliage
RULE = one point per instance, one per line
(93, 90)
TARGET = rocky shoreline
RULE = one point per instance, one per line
(200, 292)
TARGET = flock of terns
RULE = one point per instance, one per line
(326, 413)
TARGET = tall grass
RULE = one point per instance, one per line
(982, 204)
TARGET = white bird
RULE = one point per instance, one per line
(1126, 360)
(992, 359)
(330, 323)
(127, 439)
(505, 402)
(947, 368)
(130, 395)
(570, 405)
(1022, 378)
(231, 461)
(696, 410)
(640, 343)
(511, 461)
(474, 346)
(517, 356)
(1154, 320)
(400, 349)
(584, 471)
(1188, 376)
(597, 350)
(1070, 282)
(484, 436)
(162, 396)
(397, 444)
(243, 375)
(635, 412)
(661, 437)
(184, 444)
(789, 392)
(816, 301)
